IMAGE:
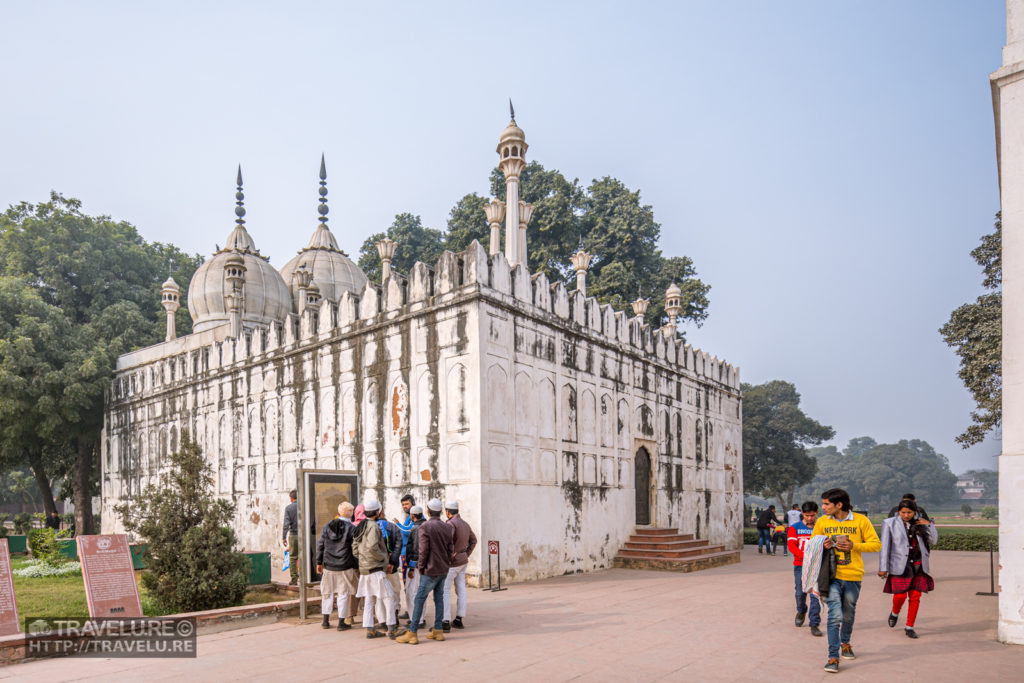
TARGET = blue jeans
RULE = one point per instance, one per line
(764, 537)
(428, 584)
(801, 599)
(842, 606)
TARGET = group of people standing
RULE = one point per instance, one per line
(391, 566)
(827, 564)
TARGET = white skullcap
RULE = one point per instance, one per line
(434, 504)
(452, 505)
(371, 505)
(416, 510)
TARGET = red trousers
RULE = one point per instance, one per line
(915, 601)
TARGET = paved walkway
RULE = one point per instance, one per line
(726, 624)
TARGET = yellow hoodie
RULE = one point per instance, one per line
(849, 565)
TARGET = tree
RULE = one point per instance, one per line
(966, 509)
(775, 434)
(467, 222)
(104, 281)
(415, 243)
(987, 478)
(990, 512)
(859, 446)
(974, 330)
(190, 556)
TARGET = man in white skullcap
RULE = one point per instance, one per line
(412, 552)
(464, 541)
(377, 547)
(434, 556)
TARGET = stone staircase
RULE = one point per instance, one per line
(668, 550)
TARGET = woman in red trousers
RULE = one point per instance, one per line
(903, 562)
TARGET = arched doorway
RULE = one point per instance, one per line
(642, 485)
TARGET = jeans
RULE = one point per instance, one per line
(842, 606)
(429, 584)
(764, 537)
(801, 599)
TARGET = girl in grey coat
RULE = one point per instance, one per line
(903, 561)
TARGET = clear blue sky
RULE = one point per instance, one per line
(828, 166)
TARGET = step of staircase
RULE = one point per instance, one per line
(668, 550)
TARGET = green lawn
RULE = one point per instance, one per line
(64, 596)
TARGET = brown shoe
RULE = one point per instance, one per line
(436, 634)
(373, 633)
(408, 637)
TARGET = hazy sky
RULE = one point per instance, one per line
(828, 166)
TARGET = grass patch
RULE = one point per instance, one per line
(64, 596)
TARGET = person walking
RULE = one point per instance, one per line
(796, 538)
(848, 534)
(435, 548)
(375, 563)
(766, 521)
(794, 515)
(903, 562)
(337, 566)
(465, 541)
(290, 536)
(920, 509)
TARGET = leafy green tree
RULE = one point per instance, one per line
(104, 281)
(191, 563)
(974, 330)
(990, 512)
(467, 222)
(775, 435)
(859, 446)
(415, 243)
(966, 509)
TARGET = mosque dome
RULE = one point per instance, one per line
(267, 299)
(332, 271)
(512, 133)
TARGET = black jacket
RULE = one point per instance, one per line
(828, 571)
(291, 520)
(412, 549)
(334, 549)
(766, 519)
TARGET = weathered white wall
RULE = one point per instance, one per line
(1008, 100)
(469, 381)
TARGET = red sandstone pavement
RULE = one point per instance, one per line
(725, 624)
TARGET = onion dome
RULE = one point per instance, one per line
(330, 267)
(266, 297)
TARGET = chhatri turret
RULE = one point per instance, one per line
(170, 297)
(512, 162)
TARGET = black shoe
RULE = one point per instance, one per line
(457, 623)
(910, 633)
(404, 615)
(446, 626)
(846, 651)
(799, 621)
(893, 618)
(832, 666)
(342, 626)
(326, 622)
(815, 631)
(759, 550)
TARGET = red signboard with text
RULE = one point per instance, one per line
(110, 587)
(8, 607)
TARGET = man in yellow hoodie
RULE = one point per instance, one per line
(848, 535)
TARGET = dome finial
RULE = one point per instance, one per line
(511, 110)
(240, 200)
(322, 209)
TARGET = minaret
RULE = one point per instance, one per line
(234, 268)
(495, 214)
(581, 261)
(386, 250)
(640, 307)
(301, 278)
(673, 306)
(512, 154)
(170, 296)
(525, 213)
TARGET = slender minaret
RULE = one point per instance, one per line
(640, 307)
(170, 297)
(234, 274)
(495, 214)
(673, 306)
(301, 278)
(512, 154)
(525, 213)
(581, 261)
(386, 250)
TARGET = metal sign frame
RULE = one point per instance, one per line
(304, 480)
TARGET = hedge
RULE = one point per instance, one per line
(947, 541)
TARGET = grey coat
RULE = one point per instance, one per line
(896, 547)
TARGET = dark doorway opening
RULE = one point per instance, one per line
(642, 482)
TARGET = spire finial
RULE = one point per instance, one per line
(239, 200)
(322, 209)
(511, 110)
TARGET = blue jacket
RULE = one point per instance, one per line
(896, 547)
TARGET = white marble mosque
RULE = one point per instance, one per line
(558, 423)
